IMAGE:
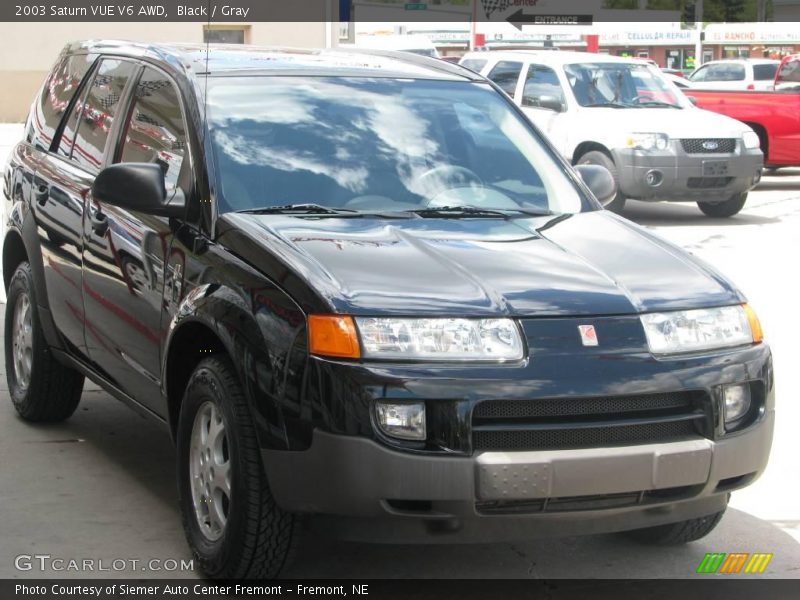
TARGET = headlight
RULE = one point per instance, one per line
(703, 329)
(440, 339)
(647, 141)
(751, 140)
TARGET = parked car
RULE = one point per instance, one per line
(675, 72)
(622, 114)
(678, 80)
(735, 74)
(415, 44)
(774, 115)
(453, 342)
(788, 76)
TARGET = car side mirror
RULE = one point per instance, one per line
(549, 102)
(600, 182)
(692, 99)
(553, 103)
(139, 187)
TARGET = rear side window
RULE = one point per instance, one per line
(764, 72)
(474, 64)
(720, 72)
(506, 74)
(57, 93)
(98, 112)
(155, 132)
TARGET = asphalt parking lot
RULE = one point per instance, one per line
(102, 485)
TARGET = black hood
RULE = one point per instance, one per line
(591, 263)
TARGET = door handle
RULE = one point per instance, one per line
(42, 193)
(99, 223)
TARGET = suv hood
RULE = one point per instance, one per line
(691, 122)
(585, 264)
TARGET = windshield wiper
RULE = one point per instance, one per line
(655, 103)
(454, 212)
(298, 209)
(607, 105)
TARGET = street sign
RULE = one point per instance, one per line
(416, 6)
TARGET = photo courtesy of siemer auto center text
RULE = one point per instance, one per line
(451, 299)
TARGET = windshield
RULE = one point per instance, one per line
(621, 85)
(366, 144)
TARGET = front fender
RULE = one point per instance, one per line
(263, 333)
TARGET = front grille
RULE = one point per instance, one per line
(709, 145)
(596, 502)
(583, 437)
(599, 405)
(707, 183)
(564, 423)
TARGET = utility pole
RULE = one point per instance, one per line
(761, 10)
(698, 26)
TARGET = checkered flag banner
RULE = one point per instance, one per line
(492, 6)
(109, 101)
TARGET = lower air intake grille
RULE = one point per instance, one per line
(583, 437)
(563, 423)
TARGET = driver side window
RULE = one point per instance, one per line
(155, 131)
(542, 83)
(506, 74)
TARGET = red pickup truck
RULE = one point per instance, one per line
(774, 115)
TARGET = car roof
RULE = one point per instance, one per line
(227, 59)
(751, 61)
(553, 57)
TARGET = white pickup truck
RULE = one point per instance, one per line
(622, 114)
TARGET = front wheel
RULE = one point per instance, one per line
(726, 208)
(232, 523)
(596, 157)
(677, 533)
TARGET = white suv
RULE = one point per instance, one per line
(735, 74)
(622, 114)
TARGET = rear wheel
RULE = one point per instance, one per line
(232, 523)
(726, 208)
(41, 388)
(596, 157)
(677, 533)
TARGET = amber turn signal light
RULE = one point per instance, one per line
(334, 336)
(755, 324)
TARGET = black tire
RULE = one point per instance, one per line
(52, 391)
(724, 209)
(677, 533)
(597, 157)
(259, 539)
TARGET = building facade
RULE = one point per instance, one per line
(28, 50)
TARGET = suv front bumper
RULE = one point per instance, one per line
(687, 177)
(377, 493)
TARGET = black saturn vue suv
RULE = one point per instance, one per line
(363, 293)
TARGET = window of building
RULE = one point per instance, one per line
(224, 35)
(155, 132)
(98, 112)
